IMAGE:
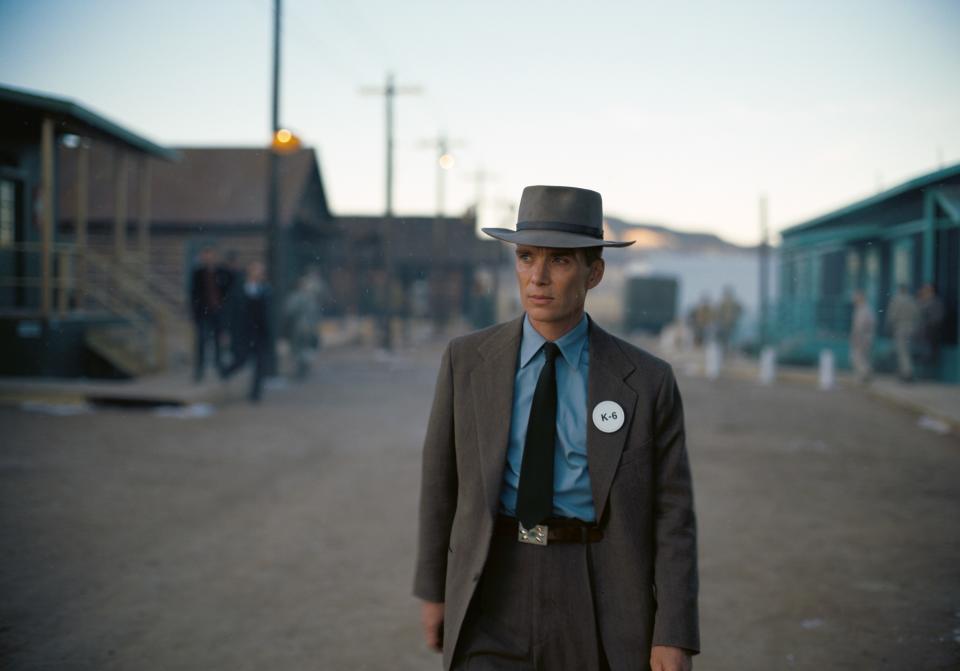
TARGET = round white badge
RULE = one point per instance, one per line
(608, 416)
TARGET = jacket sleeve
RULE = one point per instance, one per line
(438, 490)
(675, 561)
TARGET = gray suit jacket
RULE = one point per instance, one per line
(645, 568)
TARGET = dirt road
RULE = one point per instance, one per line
(282, 536)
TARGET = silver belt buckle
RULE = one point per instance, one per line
(535, 536)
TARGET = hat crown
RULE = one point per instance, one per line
(561, 205)
(558, 216)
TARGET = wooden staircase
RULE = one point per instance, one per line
(153, 335)
(134, 322)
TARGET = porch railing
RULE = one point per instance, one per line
(90, 282)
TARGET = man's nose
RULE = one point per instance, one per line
(540, 274)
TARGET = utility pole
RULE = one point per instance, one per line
(274, 259)
(764, 254)
(480, 178)
(445, 161)
(389, 91)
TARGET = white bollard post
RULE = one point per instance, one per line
(714, 359)
(827, 376)
(768, 365)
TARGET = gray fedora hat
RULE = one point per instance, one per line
(558, 216)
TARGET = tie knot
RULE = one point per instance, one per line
(550, 350)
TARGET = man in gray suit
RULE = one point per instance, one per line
(556, 514)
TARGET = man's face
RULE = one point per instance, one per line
(255, 272)
(554, 283)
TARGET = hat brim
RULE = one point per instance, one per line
(557, 239)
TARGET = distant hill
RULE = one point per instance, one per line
(653, 237)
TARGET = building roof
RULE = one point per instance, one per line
(208, 186)
(73, 118)
(948, 198)
(951, 173)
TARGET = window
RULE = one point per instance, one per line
(902, 266)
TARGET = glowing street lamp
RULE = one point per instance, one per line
(285, 142)
(446, 161)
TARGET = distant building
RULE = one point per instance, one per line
(442, 266)
(909, 234)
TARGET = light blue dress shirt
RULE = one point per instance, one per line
(572, 496)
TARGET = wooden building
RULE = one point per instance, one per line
(61, 301)
(215, 196)
(909, 234)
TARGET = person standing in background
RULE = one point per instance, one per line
(902, 318)
(931, 324)
(209, 286)
(728, 316)
(301, 313)
(232, 321)
(861, 337)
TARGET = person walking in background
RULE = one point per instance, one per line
(861, 337)
(209, 286)
(701, 321)
(931, 325)
(903, 315)
(728, 316)
(254, 328)
(301, 313)
(232, 320)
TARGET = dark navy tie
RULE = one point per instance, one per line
(535, 491)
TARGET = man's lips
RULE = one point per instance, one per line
(540, 299)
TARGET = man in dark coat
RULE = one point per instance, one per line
(210, 285)
(253, 328)
(232, 320)
(557, 528)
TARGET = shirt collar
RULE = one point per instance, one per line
(570, 344)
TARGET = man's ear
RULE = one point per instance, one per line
(596, 273)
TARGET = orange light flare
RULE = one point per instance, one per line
(284, 141)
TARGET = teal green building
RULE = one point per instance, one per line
(909, 234)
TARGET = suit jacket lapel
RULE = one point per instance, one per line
(492, 386)
(609, 367)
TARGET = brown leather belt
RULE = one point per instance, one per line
(557, 530)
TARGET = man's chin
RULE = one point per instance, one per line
(542, 314)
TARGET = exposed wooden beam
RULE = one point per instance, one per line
(143, 237)
(83, 197)
(46, 219)
(120, 164)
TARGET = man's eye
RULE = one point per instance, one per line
(561, 259)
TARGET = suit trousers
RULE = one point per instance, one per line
(208, 327)
(533, 610)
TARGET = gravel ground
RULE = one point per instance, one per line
(282, 536)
